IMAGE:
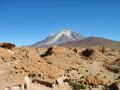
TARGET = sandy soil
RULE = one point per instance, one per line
(45, 65)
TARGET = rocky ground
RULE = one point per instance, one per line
(82, 69)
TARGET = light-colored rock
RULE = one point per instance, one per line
(60, 86)
(93, 80)
(16, 88)
(7, 88)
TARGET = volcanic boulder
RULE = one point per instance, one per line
(88, 52)
(7, 45)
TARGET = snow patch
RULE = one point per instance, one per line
(59, 35)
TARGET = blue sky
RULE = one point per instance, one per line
(24, 22)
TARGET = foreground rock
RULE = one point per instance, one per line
(30, 85)
(7, 45)
(83, 68)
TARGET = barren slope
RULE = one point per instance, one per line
(49, 64)
(92, 42)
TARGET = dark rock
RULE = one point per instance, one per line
(7, 45)
(47, 84)
(113, 86)
(75, 50)
(88, 52)
(48, 52)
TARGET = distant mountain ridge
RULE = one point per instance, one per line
(59, 38)
(68, 38)
(92, 42)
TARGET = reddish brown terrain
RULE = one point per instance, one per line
(59, 68)
(92, 42)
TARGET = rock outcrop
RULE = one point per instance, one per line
(7, 45)
(88, 70)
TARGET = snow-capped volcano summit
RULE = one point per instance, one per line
(64, 36)
(59, 38)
